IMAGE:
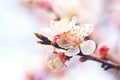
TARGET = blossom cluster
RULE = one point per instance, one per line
(70, 37)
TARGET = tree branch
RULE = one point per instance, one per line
(105, 64)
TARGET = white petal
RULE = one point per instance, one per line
(73, 21)
(60, 26)
(63, 24)
(88, 47)
(85, 30)
(75, 30)
(64, 44)
(47, 48)
(72, 51)
(48, 33)
(55, 27)
(55, 63)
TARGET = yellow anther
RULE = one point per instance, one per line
(51, 62)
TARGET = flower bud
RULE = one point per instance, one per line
(46, 4)
(103, 50)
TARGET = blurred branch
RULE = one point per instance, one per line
(105, 63)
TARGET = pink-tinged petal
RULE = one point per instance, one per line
(64, 43)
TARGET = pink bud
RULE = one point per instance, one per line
(45, 4)
(103, 50)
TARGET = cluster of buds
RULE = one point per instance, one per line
(68, 39)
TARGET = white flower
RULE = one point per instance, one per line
(55, 62)
(60, 27)
(88, 47)
(63, 28)
(71, 36)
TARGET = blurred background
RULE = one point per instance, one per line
(21, 58)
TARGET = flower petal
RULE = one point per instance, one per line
(72, 51)
(64, 43)
(64, 25)
(73, 21)
(55, 27)
(85, 30)
(55, 63)
(88, 47)
(48, 33)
